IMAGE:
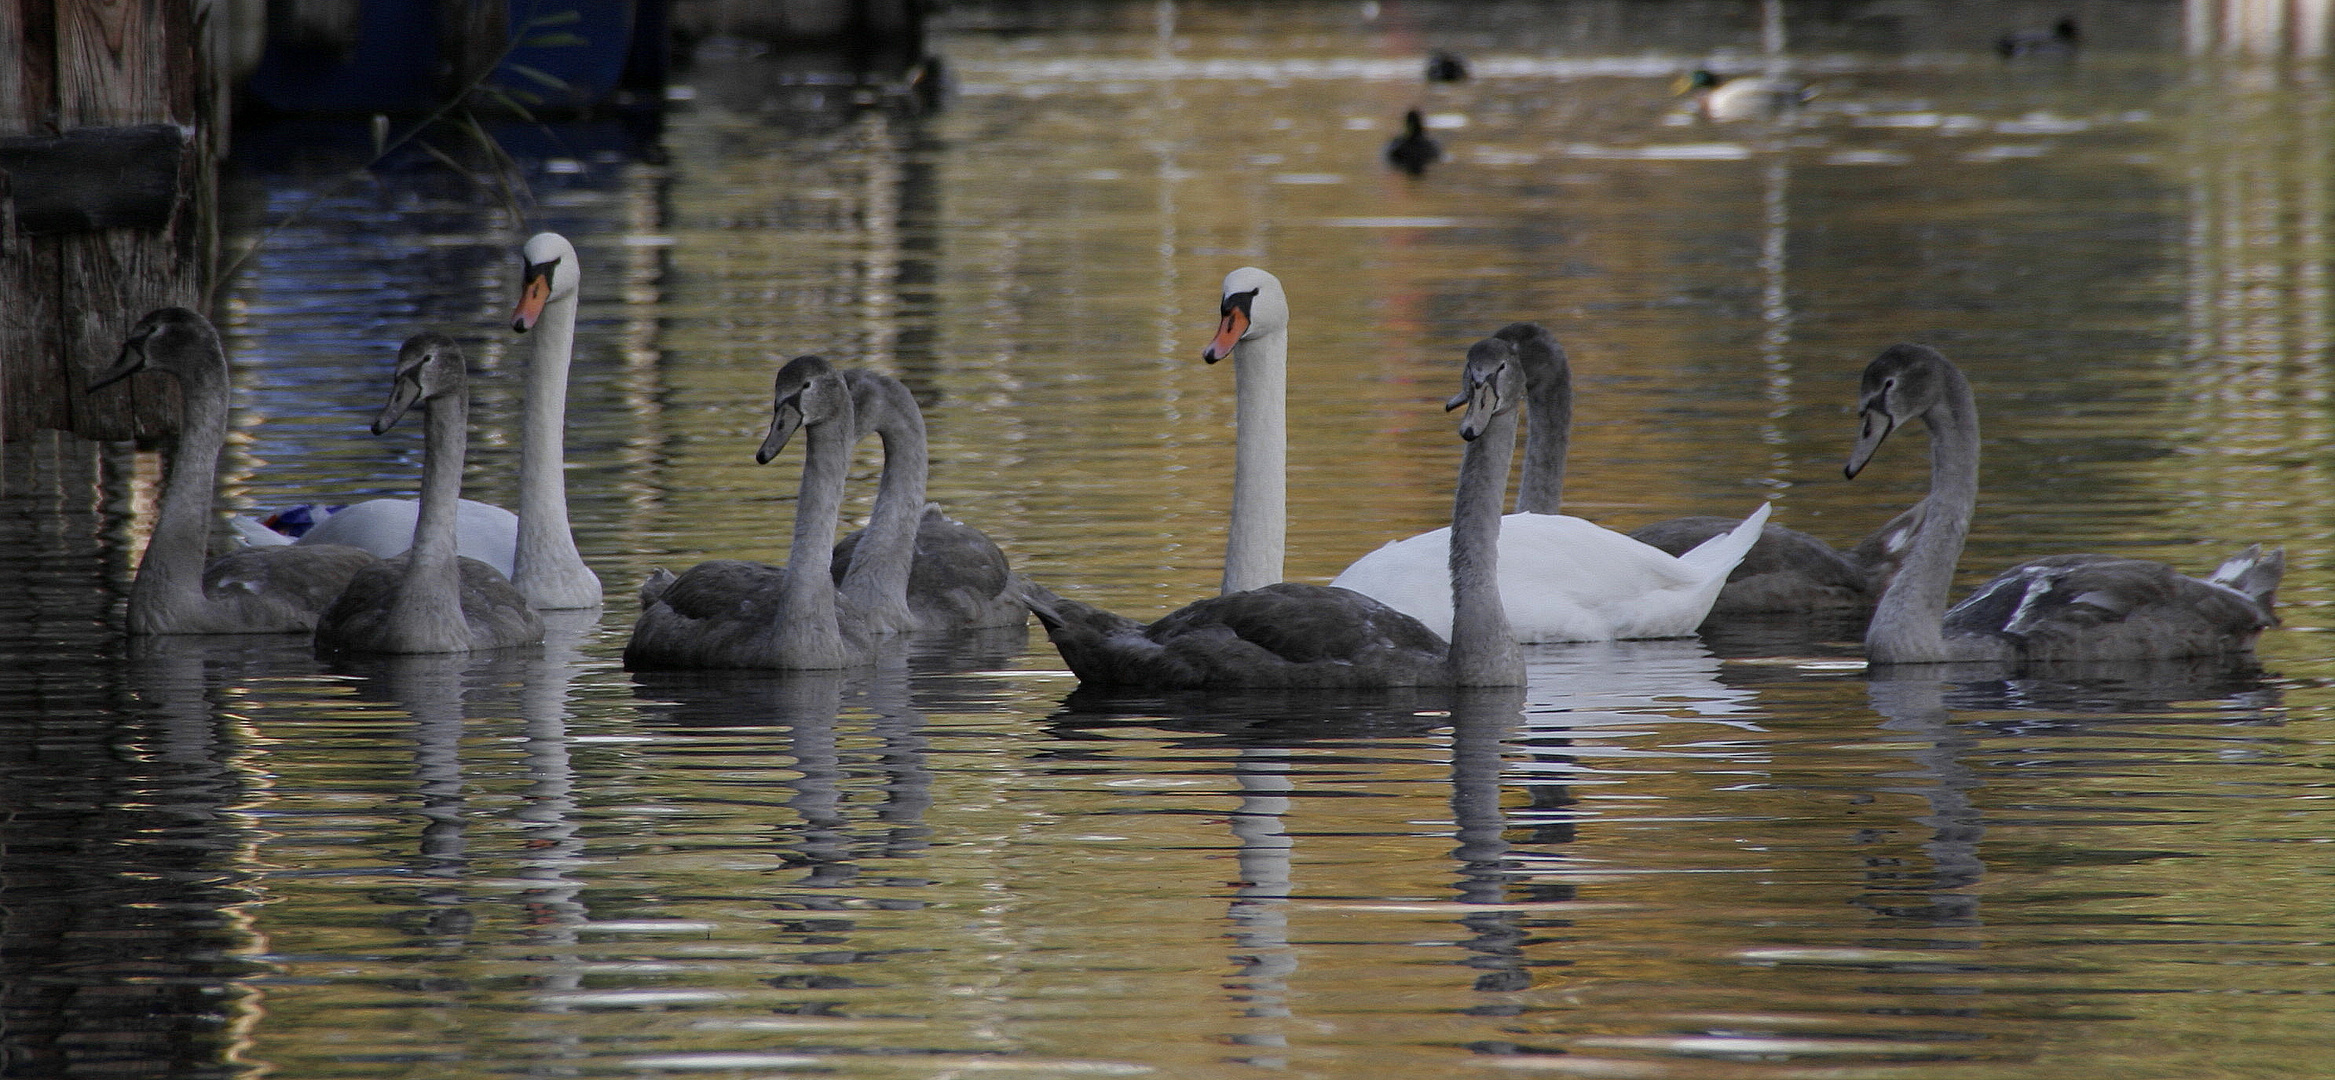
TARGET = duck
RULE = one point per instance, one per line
(1413, 150)
(1289, 635)
(1727, 98)
(954, 577)
(1446, 66)
(2057, 608)
(732, 613)
(534, 548)
(178, 588)
(2061, 40)
(430, 599)
(1562, 578)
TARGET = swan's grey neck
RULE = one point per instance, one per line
(427, 614)
(1548, 429)
(1908, 623)
(1483, 649)
(170, 575)
(876, 585)
(546, 567)
(1257, 534)
(808, 633)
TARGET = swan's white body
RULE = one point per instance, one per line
(534, 548)
(1562, 579)
(384, 527)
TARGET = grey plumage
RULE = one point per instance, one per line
(958, 578)
(1789, 570)
(2058, 608)
(914, 569)
(430, 599)
(488, 613)
(2103, 607)
(249, 591)
(1785, 570)
(730, 613)
(1292, 636)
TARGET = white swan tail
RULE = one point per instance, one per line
(1719, 554)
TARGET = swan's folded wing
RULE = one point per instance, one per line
(309, 578)
(718, 614)
(1304, 624)
(2075, 607)
(726, 589)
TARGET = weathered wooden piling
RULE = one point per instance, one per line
(110, 127)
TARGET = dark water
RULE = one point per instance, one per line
(1736, 857)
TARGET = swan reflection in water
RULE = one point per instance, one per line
(2076, 700)
(1270, 734)
(134, 934)
(818, 725)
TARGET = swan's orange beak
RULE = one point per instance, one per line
(534, 292)
(1228, 334)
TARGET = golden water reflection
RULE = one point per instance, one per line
(1667, 859)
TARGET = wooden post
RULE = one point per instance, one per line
(110, 130)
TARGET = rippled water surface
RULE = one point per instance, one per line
(1741, 856)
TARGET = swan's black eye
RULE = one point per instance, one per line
(1239, 301)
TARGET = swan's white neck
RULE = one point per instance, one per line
(1258, 533)
(546, 567)
(1908, 623)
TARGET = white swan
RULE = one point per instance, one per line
(269, 590)
(1562, 578)
(2061, 607)
(730, 613)
(1253, 329)
(1293, 636)
(430, 599)
(534, 547)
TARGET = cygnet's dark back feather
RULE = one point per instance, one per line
(1281, 636)
(2105, 607)
(307, 578)
(1789, 570)
(716, 615)
(960, 579)
(497, 615)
